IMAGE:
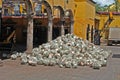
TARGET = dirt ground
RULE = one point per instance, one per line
(13, 70)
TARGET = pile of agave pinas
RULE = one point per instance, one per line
(67, 51)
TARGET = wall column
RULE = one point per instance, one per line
(29, 36)
(50, 26)
(72, 26)
(29, 27)
(62, 27)
(0, 21)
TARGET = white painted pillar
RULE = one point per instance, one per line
(71, 26)
(62, 28)
(30, 36)
(50, 28)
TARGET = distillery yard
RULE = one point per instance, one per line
(13, 70)
(52, 21)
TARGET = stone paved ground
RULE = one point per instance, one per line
(13, 70)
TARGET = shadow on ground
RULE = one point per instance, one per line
(116, 56)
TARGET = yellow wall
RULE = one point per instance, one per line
(0, 3)
(63, 4)
(90, 10)
(83, 11)
(70, 5)
(58, 3)
(84, 15)
(103, 19)
(114, 23)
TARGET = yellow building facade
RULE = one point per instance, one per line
(0, 3)
(84, 18)
(83, 14)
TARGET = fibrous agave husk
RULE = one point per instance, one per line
(96, 64)
(52, 62)
(32, 61)
(61, 62)
(24, 58)
(68, 64)
(13, 56)
(46, 62)
(103, 62)
(74, 63)
(40, 61)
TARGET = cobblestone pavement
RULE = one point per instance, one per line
(13, 70)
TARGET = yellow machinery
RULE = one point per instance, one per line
(108, 20)
(104, 30)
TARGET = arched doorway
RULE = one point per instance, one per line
(69, 21)
(22, 24)
(43, 22)
(11, 22)
(58, 27)
(26, 32)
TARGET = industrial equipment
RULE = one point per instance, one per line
(113, 35)
(105, 30)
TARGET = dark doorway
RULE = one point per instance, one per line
(7, 28)
(56, 32)
(92, 34)
(40, 35)
(66, 31)
(67, 28)
(87, 34)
